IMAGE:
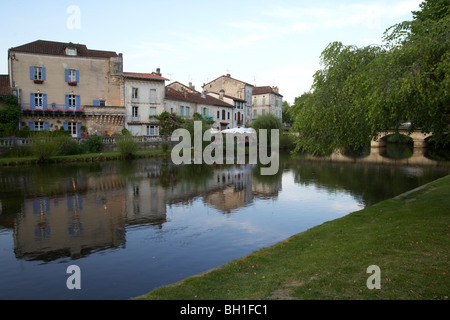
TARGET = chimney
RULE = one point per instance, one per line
(275, 89)
(191, 86)
(158, 71)
(221, 94)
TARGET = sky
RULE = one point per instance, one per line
(264, 43)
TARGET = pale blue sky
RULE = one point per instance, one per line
(276, 43)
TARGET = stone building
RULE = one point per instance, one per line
(267, 100)
(186, 102)
(236, 89)
(66, 85)
(144, 99)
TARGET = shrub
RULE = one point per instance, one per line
(269, 122)
(44, 146)
(94, 144)
(165, 147)
(127, 146)
(67, 146)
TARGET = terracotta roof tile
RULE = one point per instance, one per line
(59, 49)
(264, 90)
(172, 94)
(152, 76)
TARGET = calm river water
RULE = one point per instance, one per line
(133, 226)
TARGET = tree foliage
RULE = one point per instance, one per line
(361, 92)
(9, 115)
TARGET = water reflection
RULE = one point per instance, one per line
(75, 210)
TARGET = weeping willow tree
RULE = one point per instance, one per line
(360, 92)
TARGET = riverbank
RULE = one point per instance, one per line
(87, 157)
(406, 237)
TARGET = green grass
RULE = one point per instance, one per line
(80, 157)
(407, 237)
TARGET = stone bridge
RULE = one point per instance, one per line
(419, 138)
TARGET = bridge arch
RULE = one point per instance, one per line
(419, 138)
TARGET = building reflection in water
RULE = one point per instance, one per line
(75, 215)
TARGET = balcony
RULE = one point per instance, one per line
(53, 108)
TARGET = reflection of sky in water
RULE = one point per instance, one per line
(141, 235)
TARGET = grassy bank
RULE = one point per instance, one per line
(407, 237)
(102, 156)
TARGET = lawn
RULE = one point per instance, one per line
(406, 237)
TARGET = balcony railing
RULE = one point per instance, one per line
(52, 108)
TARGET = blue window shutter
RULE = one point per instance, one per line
(187, 111)
(78, 102)
(44, 74)
(67, 75)
(44, 100)
(181, 111)
(47, 126)
(78, 129)
(96, 103)
(32, 105)
(66, 126)
(31, 73)
(67, 100)
(78, 76)
(207, 112)
(31, 125)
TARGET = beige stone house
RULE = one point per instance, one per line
(267, 100)
(236, 89)
(67, 85)
(144, 99)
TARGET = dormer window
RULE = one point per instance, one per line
(71, 51)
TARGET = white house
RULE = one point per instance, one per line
(144, 98)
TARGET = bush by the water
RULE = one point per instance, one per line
(127, 146)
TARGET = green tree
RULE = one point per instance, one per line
(269, 122)
(363, 91)
(9, 116)
(168, 122)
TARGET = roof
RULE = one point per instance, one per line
(59, 49)
(172, 94)
(227, 96)
(265, 90)
(5, 88)
(148, 76)
(229, 77)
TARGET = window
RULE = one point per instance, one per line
(134, 93)
(152, 111)
(187, 112)
(72, 101)
(264, 101)
(72, 75)
(102, 103)
(134, 112)
(228, 115)
(254, 114)
(71, 51)
(38, 125)
(152, 96)
(152, 131)
(38, 73)
(223, 114)
(263, 112)
(218, 114)
(38, 101)
(181, 111)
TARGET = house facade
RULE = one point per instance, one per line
(66, 85)
(236, 89)
(267, 100)
(237, 115)
(144, 99)
(185, 103)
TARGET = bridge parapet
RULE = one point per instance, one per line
(419, 138)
